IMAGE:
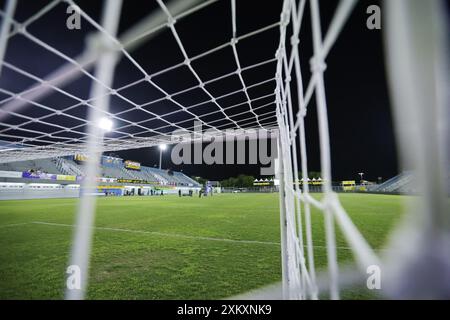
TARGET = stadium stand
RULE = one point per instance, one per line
(43, 165)
(67, 167)
(109, 169)
(401, 183)
(187, 179)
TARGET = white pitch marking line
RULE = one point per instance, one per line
(174, 235)
(13, 224)
(156, 233)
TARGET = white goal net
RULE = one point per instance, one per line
(415, 47)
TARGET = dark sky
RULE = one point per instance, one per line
(361, 132)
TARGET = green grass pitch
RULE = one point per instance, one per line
(168, 247)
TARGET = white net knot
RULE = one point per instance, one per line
(317, 65)
(302, 113)
(171, 22)
(295, 41)
(278, 54)
(284, 19)
(20, 28)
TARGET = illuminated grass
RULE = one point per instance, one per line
(178, 260)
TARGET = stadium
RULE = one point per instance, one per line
(203, 150)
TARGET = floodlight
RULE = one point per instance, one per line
(162, 147)
(105, 124)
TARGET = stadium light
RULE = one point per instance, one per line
(105, 124)
(162, 147)
(361, 174)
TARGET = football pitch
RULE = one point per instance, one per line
(167, 247)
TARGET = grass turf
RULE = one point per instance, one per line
(166, 264)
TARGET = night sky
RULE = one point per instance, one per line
(359, 113)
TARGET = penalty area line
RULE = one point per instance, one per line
(176, 235)
(156, 233)
(14, 224)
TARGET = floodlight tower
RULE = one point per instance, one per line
(162, 147)
(361, 175)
